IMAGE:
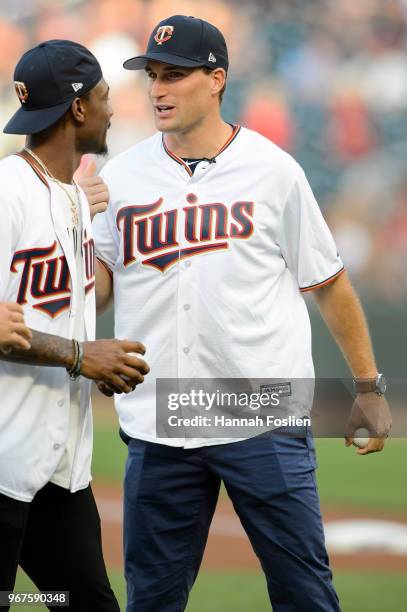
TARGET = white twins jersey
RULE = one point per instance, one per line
(38, 270)
(209, 267)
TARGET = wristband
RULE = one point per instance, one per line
(75, 370)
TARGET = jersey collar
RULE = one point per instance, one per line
(236, 130)
(34, 166)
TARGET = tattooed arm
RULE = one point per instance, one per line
(46, 350)
(109, 361)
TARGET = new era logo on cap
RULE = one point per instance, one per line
(212, 58)
(77, 86)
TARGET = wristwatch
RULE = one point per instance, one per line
(367, 385)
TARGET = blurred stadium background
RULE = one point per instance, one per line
(327, 81)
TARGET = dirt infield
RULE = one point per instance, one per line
(228, 547)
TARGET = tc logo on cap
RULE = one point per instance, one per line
(21, 91)
(163, 34)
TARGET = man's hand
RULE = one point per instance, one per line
(372, 411)
(95, 189)
(110, 363)
(105, 389)
(14, 334)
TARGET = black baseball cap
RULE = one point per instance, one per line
(47, 78)
(184, 41)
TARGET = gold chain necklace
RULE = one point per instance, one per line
(73, 205)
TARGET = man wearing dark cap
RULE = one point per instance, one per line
(49, 523)
(211, 235)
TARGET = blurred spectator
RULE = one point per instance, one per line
(310, 68)
(350, 132)
(13, 42)
(111, 50)
(394, 231)
(267, 112)
(323, 79)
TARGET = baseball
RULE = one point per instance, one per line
(140, 356)
(362, 437)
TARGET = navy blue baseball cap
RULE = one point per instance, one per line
(184, 41)
(47, 78)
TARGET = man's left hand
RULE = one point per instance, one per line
(372, 411)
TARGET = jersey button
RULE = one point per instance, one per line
(187, 306)
(60, 403)
(186, 350)
(57, 446)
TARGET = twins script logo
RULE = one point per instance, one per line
(47, 279)
(207, 227)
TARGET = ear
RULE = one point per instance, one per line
(78, 110)
(218, 77)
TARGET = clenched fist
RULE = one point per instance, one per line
(370, 411)
(113, 364)
(13, 331)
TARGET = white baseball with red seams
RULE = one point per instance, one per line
(361, 438)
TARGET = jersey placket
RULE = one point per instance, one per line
(187, 311)
(202, 169)
(187, 291)
(186, 325)
(189, 278)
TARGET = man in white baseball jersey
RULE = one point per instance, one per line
(13, 331)
(211, 235)
(49, 522)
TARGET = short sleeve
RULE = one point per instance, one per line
(7, 240)
(106, 239)
(305, 240)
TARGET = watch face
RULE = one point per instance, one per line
(381, 383)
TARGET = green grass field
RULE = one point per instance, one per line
(240, 592)
(344, 477)
(377, 482)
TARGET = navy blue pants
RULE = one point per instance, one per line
(170, 498)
